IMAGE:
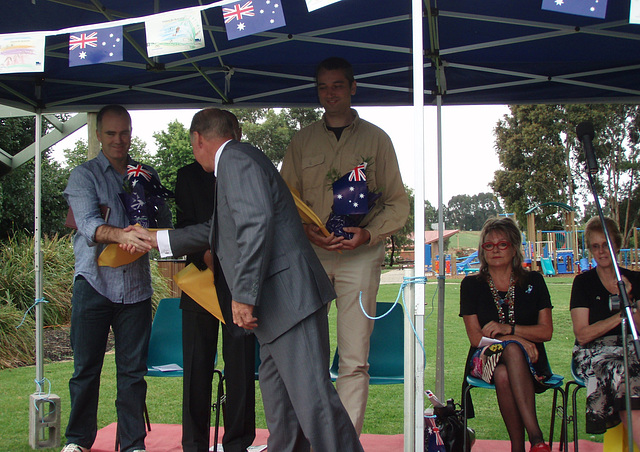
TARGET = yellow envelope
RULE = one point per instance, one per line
(198, 284)
(306, 213)
(114, 256)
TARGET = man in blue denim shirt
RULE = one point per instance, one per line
(105, 297)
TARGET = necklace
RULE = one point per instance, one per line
(505, 303)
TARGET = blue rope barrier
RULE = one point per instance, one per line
(405, 282)
(44, 397)
(35, 303)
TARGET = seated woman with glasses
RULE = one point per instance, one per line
(598, 354)
(507, 315)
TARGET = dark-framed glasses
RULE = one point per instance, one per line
(501, 245)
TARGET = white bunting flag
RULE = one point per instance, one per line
(174, 32)
(22, 52)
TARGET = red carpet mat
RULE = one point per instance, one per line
(166, 438)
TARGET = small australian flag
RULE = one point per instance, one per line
(350, 193)
(93, 47)
(248, 17)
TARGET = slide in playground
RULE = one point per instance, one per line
(547, 266)
(461, 266)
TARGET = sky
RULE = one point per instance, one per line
(469, 159)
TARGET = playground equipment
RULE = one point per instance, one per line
(447, 264)
(560, 247)
(466, 262)
(564, 261)
(547, 266)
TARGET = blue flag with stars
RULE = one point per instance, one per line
(248, 17)
(589, 8)
(93, 47)
(350, 193)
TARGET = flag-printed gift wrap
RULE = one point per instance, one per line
(95, 46)
(351, 201)
(143, 196)
(432, 440)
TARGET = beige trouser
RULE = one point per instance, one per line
(352, 272)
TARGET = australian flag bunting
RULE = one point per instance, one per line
(248, 17)
(93, 47)
(589, 8)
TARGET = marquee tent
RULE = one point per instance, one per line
(496, 52)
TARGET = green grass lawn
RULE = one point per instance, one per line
(385, 408)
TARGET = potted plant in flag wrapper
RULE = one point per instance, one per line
(143, 196)
(352, 200)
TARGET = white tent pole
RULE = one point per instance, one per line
(409, 364)
(418, 302)
(38, 252)
(441, 274)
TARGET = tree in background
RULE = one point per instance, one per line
(17, 196)
(468, 213)
(272, 131)
(543, 161)
(404, 237)
(78, 154)
(616, 147)
(174, 152)
(531, 151)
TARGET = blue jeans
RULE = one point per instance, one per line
(91, 317)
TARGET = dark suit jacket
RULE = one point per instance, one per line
(265, 255)
(195, 189)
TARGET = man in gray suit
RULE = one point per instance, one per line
(279, 288)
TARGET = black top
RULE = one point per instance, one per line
(589, 292)
(531, 296)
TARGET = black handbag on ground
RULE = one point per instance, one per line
(450, 422)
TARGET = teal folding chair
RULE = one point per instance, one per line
(555, 383)
(573, 418)
(386, 352)
(165, 343)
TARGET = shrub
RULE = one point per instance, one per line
(17, 275)
(17, 291)
(16, 345)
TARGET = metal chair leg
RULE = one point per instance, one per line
(218, 405)
(464, 416)
(147, 421)
(554, 415)
(575, 418)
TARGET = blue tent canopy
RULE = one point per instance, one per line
(498, 52)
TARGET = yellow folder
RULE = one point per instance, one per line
(198, 284)
(306, 213)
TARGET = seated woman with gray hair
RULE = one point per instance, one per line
(597, 354)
